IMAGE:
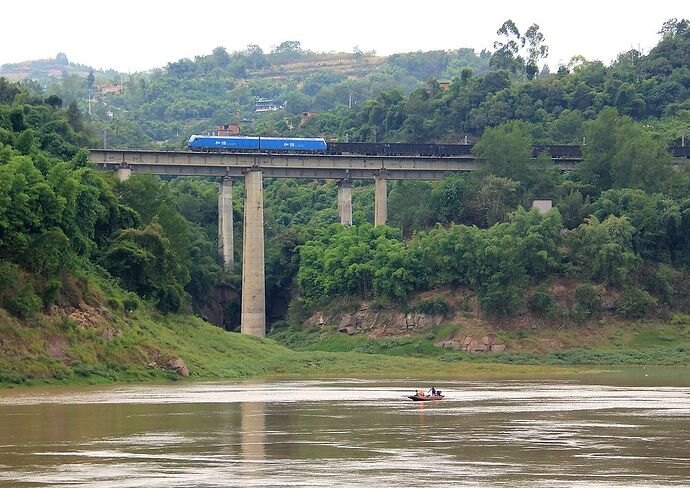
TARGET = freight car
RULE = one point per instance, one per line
(558, 151)
(400, 149)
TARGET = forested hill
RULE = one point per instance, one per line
(220, 88)
(51, 70)
(360, 97)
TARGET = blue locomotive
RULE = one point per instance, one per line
(248, 143)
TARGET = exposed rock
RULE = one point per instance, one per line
(56, 347)
(177, 365)
(348, 321)
(86, 316)
(477, 346)
(472, 344)
(109, 334)
(349, 330)
(105, 313)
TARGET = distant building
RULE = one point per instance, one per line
(225, 130)
(444, 85)
(268, 105)
(305, 117)
(106, 89)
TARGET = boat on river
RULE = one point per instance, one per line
(425, 398)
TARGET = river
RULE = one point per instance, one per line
(605, 430)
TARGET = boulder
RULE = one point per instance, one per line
(477, 346)
(177, 365)
(347, 330)
(348, 321)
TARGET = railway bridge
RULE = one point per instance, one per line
(253, 167)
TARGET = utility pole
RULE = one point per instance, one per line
(105, 138)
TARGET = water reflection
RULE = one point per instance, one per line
(349, 432)
(253, 431)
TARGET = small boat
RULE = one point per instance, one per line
(425, 398)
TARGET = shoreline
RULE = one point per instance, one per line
(419, 370)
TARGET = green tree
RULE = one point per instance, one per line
(603, 250)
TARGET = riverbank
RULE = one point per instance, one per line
(142, 346)
(145, 348)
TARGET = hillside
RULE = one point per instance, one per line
(49, 71)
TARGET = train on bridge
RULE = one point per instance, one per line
(316, 145)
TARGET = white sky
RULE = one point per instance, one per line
(138, 35)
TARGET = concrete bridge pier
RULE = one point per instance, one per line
(253, 318)
(225, 231)
(124, 172)
(381, 199)
(345, 201)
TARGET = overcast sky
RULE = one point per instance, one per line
(138, 35)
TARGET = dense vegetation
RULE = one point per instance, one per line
(620, 229)
(57, 217)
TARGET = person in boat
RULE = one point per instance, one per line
(420, 393)
(433, 391)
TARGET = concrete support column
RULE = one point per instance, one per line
(345, 201)
(123, 173)
(253, 319)
(381, 200)
(225, 235)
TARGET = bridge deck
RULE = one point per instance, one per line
(289, 165)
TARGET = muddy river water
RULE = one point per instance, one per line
(607, 431)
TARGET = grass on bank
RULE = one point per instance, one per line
(617, 343)
(211, 353)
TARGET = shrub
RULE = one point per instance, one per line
(51, 289)
(588, 299)
(501, 299)
(634, 303)
(115, 304)
(541, 303)
(662, 283)
(130, 303)
(25, 303)
(680, 319)
(9, 276)
(436, 306)
(379, 304)
(169, 299)
(578, 313)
